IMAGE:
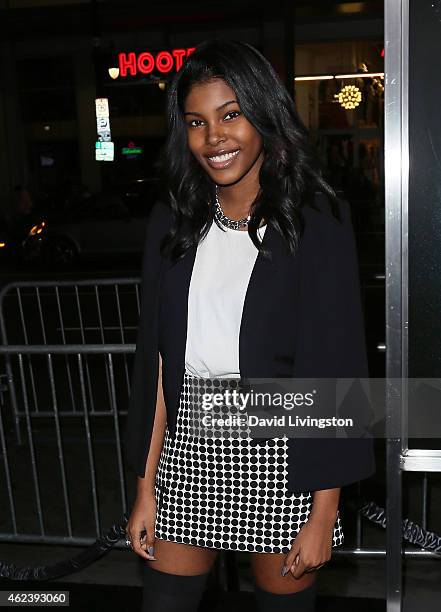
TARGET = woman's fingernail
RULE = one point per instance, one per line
(151, 550)
(284, 570)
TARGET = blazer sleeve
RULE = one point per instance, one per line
(144, 377)
(331, 344)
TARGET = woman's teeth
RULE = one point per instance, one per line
(222, 158)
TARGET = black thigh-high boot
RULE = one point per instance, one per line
(171, 592)
(301, 601)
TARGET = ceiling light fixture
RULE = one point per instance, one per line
(354, 75)
(360, 75)
(315, 78)
(349, 97)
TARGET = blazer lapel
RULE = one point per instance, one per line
(265, 298)
(174, 308)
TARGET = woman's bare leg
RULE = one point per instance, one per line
(182, 559)
(266, 572)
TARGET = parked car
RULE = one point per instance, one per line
(100, 225)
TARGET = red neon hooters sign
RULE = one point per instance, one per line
(132, 64)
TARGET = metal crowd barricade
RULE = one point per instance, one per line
(81, 312)
(66, 352)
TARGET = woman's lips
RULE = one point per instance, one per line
(223, 164)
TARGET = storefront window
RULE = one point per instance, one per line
(349, 140)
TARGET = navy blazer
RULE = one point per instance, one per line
(302, 317)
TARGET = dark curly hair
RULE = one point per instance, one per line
(289, 175)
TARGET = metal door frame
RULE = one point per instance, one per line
(396, 159)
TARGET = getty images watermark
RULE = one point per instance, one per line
(270, 408)
(245, 401)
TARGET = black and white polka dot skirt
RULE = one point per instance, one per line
(225, 491)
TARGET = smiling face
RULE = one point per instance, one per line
(222, 140)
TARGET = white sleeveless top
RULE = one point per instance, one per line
(221, 273)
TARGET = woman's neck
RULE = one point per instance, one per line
(236, 200)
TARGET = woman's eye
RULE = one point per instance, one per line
(237, 113)
(190, 123)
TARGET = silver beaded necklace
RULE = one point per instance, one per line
(226, 221)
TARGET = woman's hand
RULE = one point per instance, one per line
(143, 519)
(311, 548)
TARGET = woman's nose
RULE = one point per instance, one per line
(215, 134)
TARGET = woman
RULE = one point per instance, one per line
(249, 273)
